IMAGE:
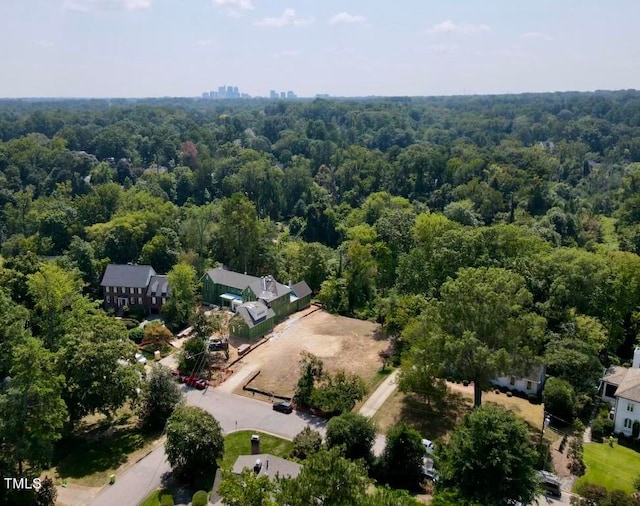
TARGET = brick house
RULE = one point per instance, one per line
(137, 287)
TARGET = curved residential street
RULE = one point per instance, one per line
(234, 412)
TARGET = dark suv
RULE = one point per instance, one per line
(283, 407)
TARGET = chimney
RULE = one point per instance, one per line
(636, 358)
(257, 466)
(255, 444)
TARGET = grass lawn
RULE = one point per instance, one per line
(99, 448)
(613, 468)
(436, 421)
(239, 443)
(154, 498)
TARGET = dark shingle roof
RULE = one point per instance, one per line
(266, 288)
(301, 289)
(159, 286)
(135, 276)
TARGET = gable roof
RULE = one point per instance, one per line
(301, 289)
(277, 465)
(254, 313)
(629, 388)
(615, 374)
(266, 288)
(135, 276)
(159, 286)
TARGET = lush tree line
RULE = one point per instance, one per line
(431, 216)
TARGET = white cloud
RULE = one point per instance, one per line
(537, 35)
(234, 7)
(346, 18)
(92, 5)
(288, 18)
(462, 28)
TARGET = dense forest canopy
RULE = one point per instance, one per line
(377, 203)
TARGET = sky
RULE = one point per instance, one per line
(154, 48)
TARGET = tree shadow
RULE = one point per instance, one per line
(437, 419)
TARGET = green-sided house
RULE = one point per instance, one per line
(259, 303)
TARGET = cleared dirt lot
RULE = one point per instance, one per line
(341, 343)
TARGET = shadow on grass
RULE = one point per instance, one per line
(101, 447)
(437, 419)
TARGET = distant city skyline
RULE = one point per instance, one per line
(233, 92)
(156, 48)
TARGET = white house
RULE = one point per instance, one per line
(621, 387)
(531, 383)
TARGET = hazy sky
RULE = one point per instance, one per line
(136, 48)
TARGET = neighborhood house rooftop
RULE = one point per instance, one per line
(135, 276)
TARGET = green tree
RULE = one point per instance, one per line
(354, 433)
(559, 399)
(326, 478)
(195, 357)
(420, 373)
(162, 251)
(401, 462)
(180, 307)
(306, 442)
(160, 395)
(312, 369)
(194, 442)
(97, 379)
(246, 489)
(33, 412)
(383, 496)
(47, 494)
(338, 393)
(55, 292)
(489, 458)
(483, 327)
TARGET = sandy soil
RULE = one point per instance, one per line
(342, 343)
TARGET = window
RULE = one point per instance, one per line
(122, 289)
(153, 300)
(140, 300)
(529, 385)
(630, 407)
(512, 380)
(108, 299)
(164, 300)
(131, 290)
(628, 423)
(139, 291)
(133, 300)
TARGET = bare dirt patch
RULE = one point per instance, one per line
(342, 344)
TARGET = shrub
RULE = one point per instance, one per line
(166, 500)
(497, 391)
(465, 383)
(597, 430)
(563, 443)
(504, 389)
(200, 498)
(635, 430)
(559, 399)
(609, 426)
(509, 394)
(533, 399)
(136, 334)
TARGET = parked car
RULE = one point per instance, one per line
(431, 474)
(283, 407)
(140, 358)
(550, 483)
(201, 384)
(191, 380)
(428, 446)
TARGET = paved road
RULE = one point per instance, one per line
(234, 412)
(382, 393)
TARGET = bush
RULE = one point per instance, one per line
(609, 426)
(563, 443)
(559, 399)
(465, 383)
(200, 498)
(533, 399)
(166, 500)
(597, 430)
(136, 334)
(509, 394)
(504, 389)
(497, 391)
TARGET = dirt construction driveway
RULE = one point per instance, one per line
(342, 343)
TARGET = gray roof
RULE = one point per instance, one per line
(301, 289)
(629, 388)
(615, 374)
(266, 288)
(159, 286)
(277, 465)
(254, 313)
(134, 276)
